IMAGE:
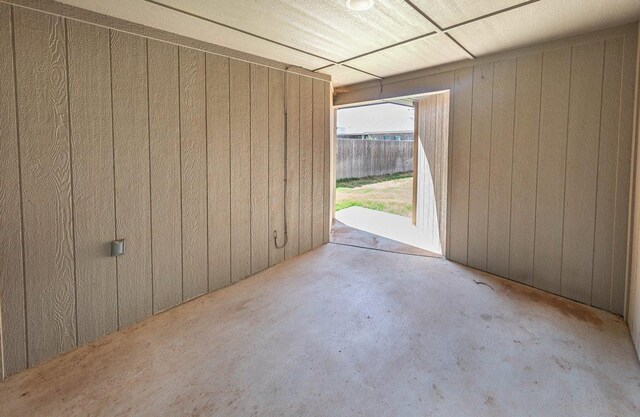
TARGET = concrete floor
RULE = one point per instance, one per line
(346, 235)
(389, 226)
(344, 331)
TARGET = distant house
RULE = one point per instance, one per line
(380, 135)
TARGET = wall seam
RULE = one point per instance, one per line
(299, 157)
(229, 160)
(181, 175)
(73, 223)
(311, 170)
(513, 146)
(564, 194)
(206, 152)
(24, 263)
(153, 304)
(473, 81)
(535, 209)
(251, 172)
(493, 80)
(113, 158)
(616, 190)
(595, 208)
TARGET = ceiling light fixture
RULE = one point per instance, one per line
(359, 5)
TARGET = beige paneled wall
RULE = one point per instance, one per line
(107, 135)
(546, 159)
(634, 284)
(540, 152)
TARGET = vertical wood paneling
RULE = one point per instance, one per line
(260, 232)
(218, 168)
(442, 167)
(43, 118)
(276, 164)
(606, 186)
(623, 175)
(431, 168)
(164, 142)
(525, 167)
(193, 145)
(554, 107)
(93, 204)
(131, 163)
(293, 164)
(306, 161)
(499, 216)
(479, 162)
(328, 154)
(240, 114)
(581, 177)
(14, 344)
(113, 136)
(460, 148)
(318, 162)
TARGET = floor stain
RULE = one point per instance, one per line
(567, 307)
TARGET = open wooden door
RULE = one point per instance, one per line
(431, 149)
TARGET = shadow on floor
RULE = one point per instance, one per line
(345, 235)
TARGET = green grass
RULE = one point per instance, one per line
(373, 205)
(359, 182)
(389, 193)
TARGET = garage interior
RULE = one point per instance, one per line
(167, 177)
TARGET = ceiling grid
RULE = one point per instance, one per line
(392, 37)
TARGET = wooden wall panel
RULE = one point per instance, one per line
(164, 142)
(425, 219)
(43, 120)
(624, 172)
(260, 232)
(218, 168)
(318, 163)
(460, 153)
(107, 135)
(93, 188)
(328, 155)
(581, 177)
(499, 215)
(306, 162)
(479, 162)
(14, 344)
(276, 165)
(293, 164)
(193, 142)
(606, 180)
(525, 168)
(132, 184)
(432, 168)
(554, 114)
(240, 115)
(442, 165)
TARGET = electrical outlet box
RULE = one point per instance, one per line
(117, 247)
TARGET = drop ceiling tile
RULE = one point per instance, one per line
(148, 14)
(450, 12)
(326, 28)
(341, 75)
(544, 21)
(427, 52)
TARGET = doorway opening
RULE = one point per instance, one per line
(391, 172)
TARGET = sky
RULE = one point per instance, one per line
(379, 117)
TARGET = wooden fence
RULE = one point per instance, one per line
(357, 158)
